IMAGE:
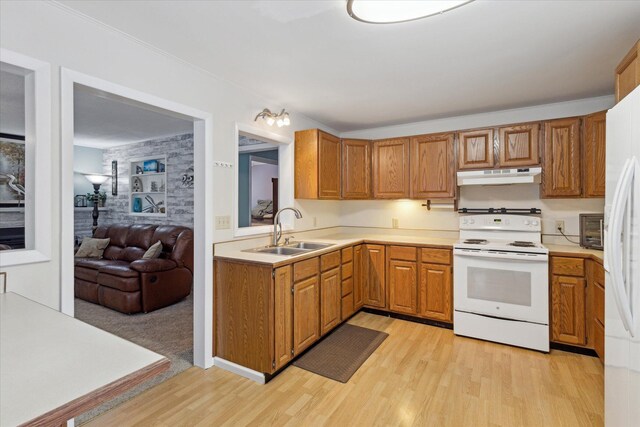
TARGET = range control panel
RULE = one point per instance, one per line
(500, 222)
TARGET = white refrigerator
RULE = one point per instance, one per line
(622, 264)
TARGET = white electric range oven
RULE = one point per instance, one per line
(501, 280)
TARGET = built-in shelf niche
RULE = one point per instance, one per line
(148, 183)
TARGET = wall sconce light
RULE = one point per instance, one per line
(280, 119)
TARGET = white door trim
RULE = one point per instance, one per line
(203, 206)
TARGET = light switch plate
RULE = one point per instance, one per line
(394, 222)
(223, 222)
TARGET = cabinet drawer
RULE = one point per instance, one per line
(598, 303)
(347, 306)
(347, 254)
(304, 269)
(564, 266)
(347, 270)
(436, 256)
(347, 286)
(329, 261)
(405, 253)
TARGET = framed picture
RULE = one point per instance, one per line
(80, 201)
(150, 166)
(114, 178)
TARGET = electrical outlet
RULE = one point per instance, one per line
(560, 226)
(394, 222)
(223, 222)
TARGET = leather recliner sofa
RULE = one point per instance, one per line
(123, 281)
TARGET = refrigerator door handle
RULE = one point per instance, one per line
(612, 242)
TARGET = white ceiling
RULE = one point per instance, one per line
(11, 103)
(103, 120)
(312, 58)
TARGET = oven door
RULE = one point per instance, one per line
(502, 284)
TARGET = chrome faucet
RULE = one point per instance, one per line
(277, 227)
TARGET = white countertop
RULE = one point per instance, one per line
(48, 359)
(576, 250)
(338, 241)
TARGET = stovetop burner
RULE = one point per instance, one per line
(521, 244)
(476, 241)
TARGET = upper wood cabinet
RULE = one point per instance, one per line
(561, 168)
(373, 275)
(432, 166)
(317, 165)
(390, 165)
(475, 149)
(356, 169)
(519, 145)
(594, 154)
(628, 72)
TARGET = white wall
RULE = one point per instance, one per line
(85, 160)
(411, 214)
(261, 185)
(51, 33)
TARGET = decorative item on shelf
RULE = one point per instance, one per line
(80, 201)
(154, 186)
(162, 187)
(154, 207)
(137, 204)
(187, 178)
(150, 166)
(97, 180)
(101, 198)
(139, 170)
(114, 177)
(161, 167)
(280, 119)
(136, 185)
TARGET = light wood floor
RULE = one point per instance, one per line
(420, 375)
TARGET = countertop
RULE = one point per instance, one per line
(54, 367)
(339, 241)
(567, 250)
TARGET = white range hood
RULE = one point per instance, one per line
(500, 176)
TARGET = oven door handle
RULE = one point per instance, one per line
(501, 255)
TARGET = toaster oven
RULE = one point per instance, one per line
(591, 230)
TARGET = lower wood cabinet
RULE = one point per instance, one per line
(403, 289)
(330, 300)
(435, 292)
(373, 275)
(358, 279)
(283, 317)
(306, 313)
(568, 309)
(595, 278)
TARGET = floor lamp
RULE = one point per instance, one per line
(97, 180)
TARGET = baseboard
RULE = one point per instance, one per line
(256, 376)
(573, 349)
(408, 318)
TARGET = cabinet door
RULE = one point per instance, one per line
(403, 286)
(518, 145)
(432, 166)
(475, 149)
(594, 154)
(390, 159)
(374, 276)
(329, 160)
(330, 299)
(568, 310)
(561, 169)
(435, 292)
(283, 323)
(306, 313)
(358, 279)
(356, 169)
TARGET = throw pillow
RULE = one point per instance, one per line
(92, 248)
(154, 251)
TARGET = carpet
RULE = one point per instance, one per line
(168, 331)
(339, 355)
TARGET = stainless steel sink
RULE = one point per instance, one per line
(280, 250)
(309, 245)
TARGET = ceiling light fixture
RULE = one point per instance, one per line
(391, 12)
(280, 119)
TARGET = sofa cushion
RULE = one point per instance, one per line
(124, 302)
(140, 235)
(118, 268)
(124, 284)
(92, 263)
(154, 251)
(87, 291)
(88, 274)
(132, 253)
